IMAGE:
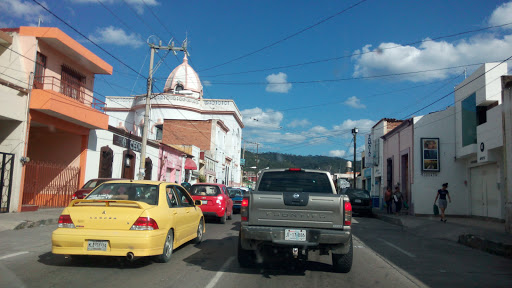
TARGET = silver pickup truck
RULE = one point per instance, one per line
(294, 211)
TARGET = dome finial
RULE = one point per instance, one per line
(185, 59)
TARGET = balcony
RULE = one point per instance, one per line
(69, 101)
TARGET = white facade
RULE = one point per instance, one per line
(479, 139)
(183, 101)
(100, 138)
(14, 88)
(425, 185)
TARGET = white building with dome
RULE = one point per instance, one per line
(183, 108)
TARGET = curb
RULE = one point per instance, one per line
(391, 220)
(480, 243)
(32, 224)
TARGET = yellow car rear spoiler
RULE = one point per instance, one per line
(109, 203)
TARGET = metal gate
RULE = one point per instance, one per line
(49, 185)
(6, 171)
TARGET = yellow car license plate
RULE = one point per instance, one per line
(97, 245)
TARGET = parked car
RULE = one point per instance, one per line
(131, 219)
(215, 200)
(360, 200)
(89, 186)
(237, 195)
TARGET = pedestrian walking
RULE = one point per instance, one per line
(388, 199)
(441, 194)
(398, 199)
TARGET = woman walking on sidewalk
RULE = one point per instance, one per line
(441, 194)
(398, 198)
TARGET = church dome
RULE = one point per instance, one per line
(184, 80)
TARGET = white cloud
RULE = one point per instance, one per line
(207, 83)
(393, 58)
(355, 102)
(257, 118)
(299, 123)
(277, 83)
(138, 5)
(337, 153)
(502, 15)
(116, 36)
(27, 10)
(345, 128)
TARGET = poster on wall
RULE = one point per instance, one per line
(430, 154)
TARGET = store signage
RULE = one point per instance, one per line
(368, 151)
(126, 143)
(430, 155)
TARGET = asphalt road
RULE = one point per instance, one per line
(384, 256)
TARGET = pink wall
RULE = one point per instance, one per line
(397, 144)
(170, 160)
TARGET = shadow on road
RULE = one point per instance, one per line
(213, 253)
(51, 259)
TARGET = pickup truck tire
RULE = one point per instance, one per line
(342, 263)
(245, 257)
(222, 219)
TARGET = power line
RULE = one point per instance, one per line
(285, 38)
(359, 53)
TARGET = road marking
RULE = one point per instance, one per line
(215, 279)
(398, 248)
(12, 255)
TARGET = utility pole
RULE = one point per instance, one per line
(153, 47)
(354, 132)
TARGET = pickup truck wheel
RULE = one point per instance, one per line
(222, 219)
(245, 257)
(342, 263)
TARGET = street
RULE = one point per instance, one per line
(384, 256)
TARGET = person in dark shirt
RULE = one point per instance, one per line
(441, 194)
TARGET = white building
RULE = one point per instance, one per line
(213, 125)
(479, 139)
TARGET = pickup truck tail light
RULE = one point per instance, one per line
(244, 211)
(348, 214)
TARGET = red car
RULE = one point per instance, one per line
(89, 186)
(215, 200)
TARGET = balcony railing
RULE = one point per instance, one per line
(74, 90)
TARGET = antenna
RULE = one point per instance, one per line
(39, 21)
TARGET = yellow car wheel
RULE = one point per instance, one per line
(168, 247)
(200, 229)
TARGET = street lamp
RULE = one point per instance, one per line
(354, 132)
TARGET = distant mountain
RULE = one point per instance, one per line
(278, 160)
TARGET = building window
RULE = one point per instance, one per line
(39, 73)
(72, 83)
(159, 131)
(469, 120)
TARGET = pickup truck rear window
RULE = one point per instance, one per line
(295, 181)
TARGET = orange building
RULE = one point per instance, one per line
(58, 75)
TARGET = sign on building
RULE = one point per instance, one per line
(368, 151)
(126, 143)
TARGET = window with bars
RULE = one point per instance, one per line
(72, 83)
(40, 69)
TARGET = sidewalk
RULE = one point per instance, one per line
(41, 217)
(489, 236)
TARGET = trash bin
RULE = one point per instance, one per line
(375, 201)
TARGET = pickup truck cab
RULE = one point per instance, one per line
(294, 211)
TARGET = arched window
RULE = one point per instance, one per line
(179, 87)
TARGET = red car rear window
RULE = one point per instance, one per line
(204, 190)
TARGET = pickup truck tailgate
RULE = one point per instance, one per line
(317, 210)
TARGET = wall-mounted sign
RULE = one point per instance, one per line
(368, 151)
(126, 143)
(242, 162)
(430, 154)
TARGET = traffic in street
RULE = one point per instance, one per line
(384, 256)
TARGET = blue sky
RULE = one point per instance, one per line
(370, 56)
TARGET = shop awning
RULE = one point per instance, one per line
(190, 164)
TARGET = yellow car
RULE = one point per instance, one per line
(129, 218)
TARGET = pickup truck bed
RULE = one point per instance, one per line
(295, 211)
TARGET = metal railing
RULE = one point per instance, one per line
(49, 185)
(72, 89)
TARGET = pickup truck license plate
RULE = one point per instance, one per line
(357, 201)
(294, 235)
(97, 245)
